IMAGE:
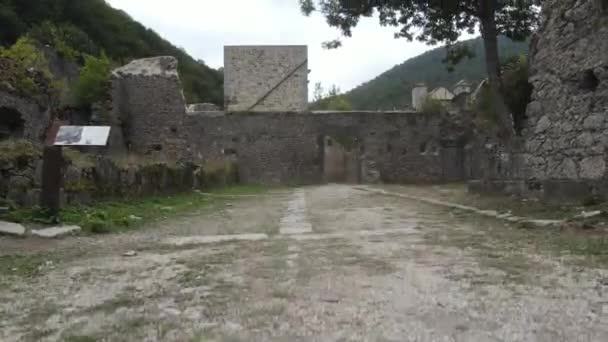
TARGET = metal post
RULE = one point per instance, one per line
(52, 179)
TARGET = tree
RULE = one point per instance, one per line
(333, 100)
(441, 21)
(93, 81)
(318, 93)
(338, 102)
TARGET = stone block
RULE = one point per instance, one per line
(566, 191)
(10, 228)
(56, 232)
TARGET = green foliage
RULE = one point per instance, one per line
(431, 106)
(111, 30)
(68, 40)
(18, 151)
(339, 102)
(12, 25)
(516, 88)
(393, 88)
(488, 108)
(93, 80)
(124, 214)
(28, 59)
(333, 100)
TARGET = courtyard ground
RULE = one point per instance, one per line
(325, 263)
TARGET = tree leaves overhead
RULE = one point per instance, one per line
(114, 32)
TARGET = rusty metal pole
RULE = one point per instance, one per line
(52, 179)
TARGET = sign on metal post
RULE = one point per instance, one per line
(53, 162)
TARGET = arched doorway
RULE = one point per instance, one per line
(11, 123)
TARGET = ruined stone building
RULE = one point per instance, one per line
(268, 131)
(563, 154)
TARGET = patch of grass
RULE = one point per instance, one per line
(120, 215)
(242, 189)
(23, 265)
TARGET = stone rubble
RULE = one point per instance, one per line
(56, 232)
(10, 228)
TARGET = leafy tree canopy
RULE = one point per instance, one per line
(441, 21)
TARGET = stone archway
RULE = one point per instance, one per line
(12, 124)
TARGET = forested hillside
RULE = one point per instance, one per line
(393, 88)
(79, 27)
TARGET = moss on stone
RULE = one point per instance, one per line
(19, 150)
(80, 185)
(78, 159)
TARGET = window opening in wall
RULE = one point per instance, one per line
(173, 129)
(423, 148)
(389, 148)
(329, 142)
(157, 147)
(11, 123)
(589, 81)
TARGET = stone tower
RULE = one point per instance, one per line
(419, 94)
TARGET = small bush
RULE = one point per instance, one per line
(28, 59)
(92, 83)
(68, 40)
(18, 150)
(432, 106)
(97, 226)
(517, 89)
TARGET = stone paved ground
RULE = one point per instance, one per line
(328, 263)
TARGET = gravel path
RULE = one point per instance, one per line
(327, 263)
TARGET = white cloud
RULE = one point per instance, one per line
(203, 27)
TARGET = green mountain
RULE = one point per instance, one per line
(393, 88)
(92, 26)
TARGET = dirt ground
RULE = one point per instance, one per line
(327, 263)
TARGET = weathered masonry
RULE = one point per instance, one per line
(283, 146)
(563, 155)
(266, 78)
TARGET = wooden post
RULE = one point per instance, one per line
(52, 179)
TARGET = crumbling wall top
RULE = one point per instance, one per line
(165, 66)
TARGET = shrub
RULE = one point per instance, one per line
(338, 102)
(28, 59)
(517, 89)
(92, 82)
(68, 40)
(432, 106)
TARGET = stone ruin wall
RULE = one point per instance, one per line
(281, 147)
(35, 118)
(250, 72)
(148, 107)
(289, 148)
(566, 138)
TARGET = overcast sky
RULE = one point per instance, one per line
(203, 27)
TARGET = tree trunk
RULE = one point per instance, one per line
(489, 34)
